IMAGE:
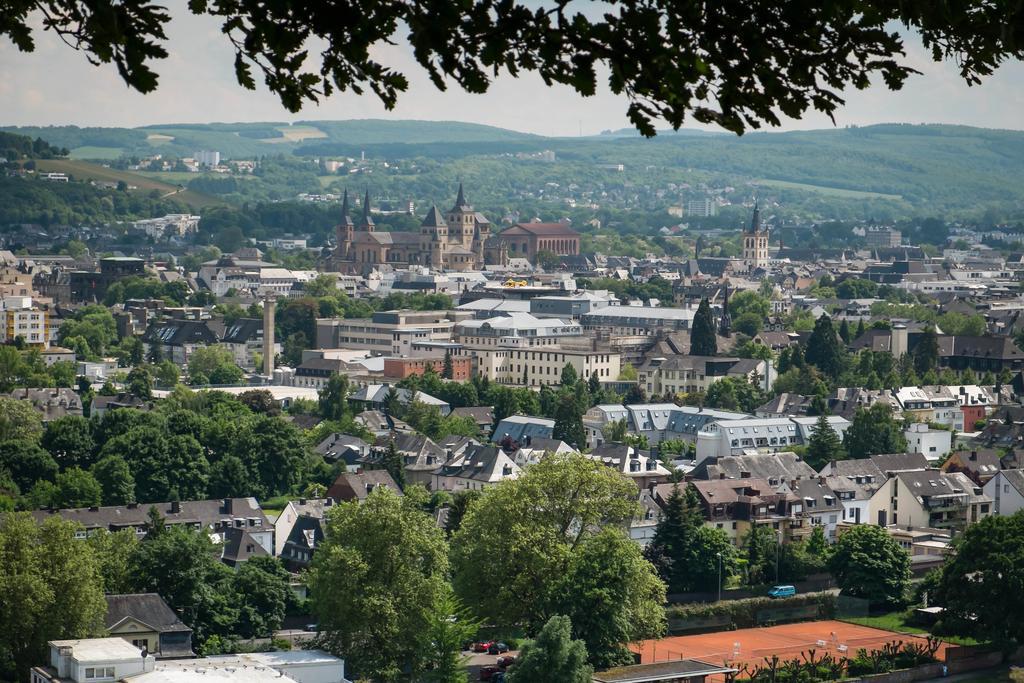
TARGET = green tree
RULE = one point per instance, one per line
(926, 353)
(844, 331)
(869, 563)
(874, 430)
(553, 657)
(451, 625)
(184, 567)
(263, 588)
(167, 373)
(19, 420)
(395, 464)
(275, 453)
(375, 583)
(569, 422)
(982, 576)
(761, 546)
(461, 502)
(12, 367)
(703, 341)
(333, 403)
(52, 590)
(117, 485)
(69, 440)
(76, 488)
(824, 445)
(115, 553)
(561, 505)
(213, 365)
(165, 467)
(685, 551)
(823, 350)
(613, 596)
(448, 372)
(569, 376)
(229, 478)
(26, 463)
(140, 382)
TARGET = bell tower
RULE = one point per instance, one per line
(755, 242)
(344, 231)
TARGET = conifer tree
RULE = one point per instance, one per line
(448, 372)
(394, 465)
(844, 331)
(824, 445)
(823, 350)
(569, 376)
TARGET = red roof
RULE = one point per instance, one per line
(546, 229)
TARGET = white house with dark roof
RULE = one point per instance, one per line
(1006, 489)
(657, 421)
(759, 435)
(477, 468)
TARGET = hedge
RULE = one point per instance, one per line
(748, 613)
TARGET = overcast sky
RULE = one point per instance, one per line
(55, 85)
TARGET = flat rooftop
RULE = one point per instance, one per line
(100, 649)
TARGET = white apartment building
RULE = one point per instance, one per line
(23, 319)
(206, 157)
(516, 330)
(179, 224)
(929, 498)
(637, 320)
(539, 366)
(657, 421)
(759, 435)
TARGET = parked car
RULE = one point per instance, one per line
(312, 628)
(497, 649)
(782, 592)
(506, 661)
(487, 673)
(482, 646)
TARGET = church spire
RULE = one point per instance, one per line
(367, 218)
(725, 324)
(460, 202)
(345, 220)
(755, 219)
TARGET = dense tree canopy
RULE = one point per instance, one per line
(560, 506)
(983, 577)
(766, 60)
(869, 563)
(375, 582)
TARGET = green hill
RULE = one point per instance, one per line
(913, 169)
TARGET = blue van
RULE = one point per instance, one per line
(782, 592)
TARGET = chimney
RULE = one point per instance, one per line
(228, 506)
(302, 501)
(721, 475)
(821, 481)
(175, 507)
(269, 304)
(792, 483)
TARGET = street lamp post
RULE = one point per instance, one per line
(719, 577)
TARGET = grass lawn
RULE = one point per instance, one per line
(900, 622)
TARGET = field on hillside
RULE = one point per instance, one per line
(94, 152)
(821, 189)
(83, 170)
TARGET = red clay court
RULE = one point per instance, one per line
(752, 645)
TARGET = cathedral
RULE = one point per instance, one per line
(452, 241)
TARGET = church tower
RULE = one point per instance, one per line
(366, 222)
(478, 247)
(755, 243)
(462, 221)
(434, 238)
(344, 231)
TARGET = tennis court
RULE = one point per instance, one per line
(752, 645)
